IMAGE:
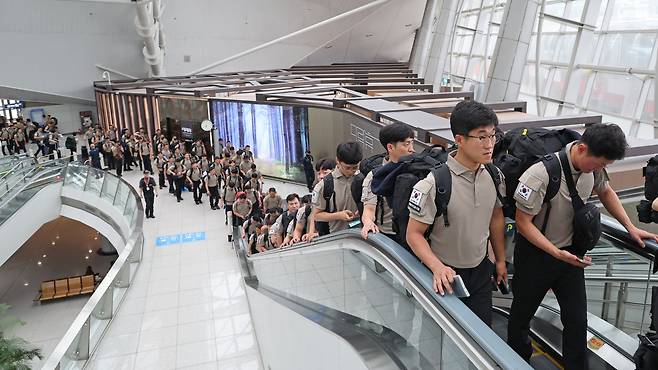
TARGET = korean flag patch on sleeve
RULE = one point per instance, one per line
(415, 200)
(524, 191)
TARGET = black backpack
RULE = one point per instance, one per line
(646, 355)
(285, 221)
(395, 182)
(365, 168)
(645, 213)
(520, 148)
(70, 143)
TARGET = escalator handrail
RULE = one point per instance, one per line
(614, 230)
(421, 277)
(34, 170)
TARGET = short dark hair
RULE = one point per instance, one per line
(605, 140)
(395, 133)
(253, 166)
(469, 115)
(306, 199)
(349, 152)
(254, 175)
(328, 164)
(292, 197)
(242, 196)
(271, 190)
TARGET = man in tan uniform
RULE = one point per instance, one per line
(547, 259)
(474, 211)
(398, 139)
(341, 207)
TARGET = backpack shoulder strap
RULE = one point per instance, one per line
(554, 176)
(576, 200)
(554, 171)
(443, 185)
(328, 191)
(494, 172)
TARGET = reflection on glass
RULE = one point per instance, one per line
(615, 94)
(349, 282)
(109, 188)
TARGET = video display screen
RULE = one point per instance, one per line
(278, 135)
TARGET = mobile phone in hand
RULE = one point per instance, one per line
(354, 223)
(503, 287)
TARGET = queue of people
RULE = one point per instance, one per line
(451, 215)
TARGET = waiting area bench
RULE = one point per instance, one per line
(66, 287)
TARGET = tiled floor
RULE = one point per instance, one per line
(187, 306)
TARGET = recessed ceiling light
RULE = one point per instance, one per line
(26, 284)
(39, 263)
(44, 256)
(56, 236)
(90, 251)
(86, 257)
(52, 243)
(95, 238)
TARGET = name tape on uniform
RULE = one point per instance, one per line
(163, 241)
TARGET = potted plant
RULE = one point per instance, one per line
(14, 352)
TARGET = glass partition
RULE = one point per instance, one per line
(87, 330)
(348, 281)
(109, 187)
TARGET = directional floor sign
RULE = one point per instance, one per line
(163, 241)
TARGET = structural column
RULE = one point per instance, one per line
(446, 11)
(423, 42)
(511, 51)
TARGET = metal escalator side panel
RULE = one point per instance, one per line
(473, 338)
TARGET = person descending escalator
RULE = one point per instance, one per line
(554, 236)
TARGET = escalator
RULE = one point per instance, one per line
(377, 286)
(372, 295)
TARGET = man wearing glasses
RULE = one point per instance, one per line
(341, 208)
(474, 211)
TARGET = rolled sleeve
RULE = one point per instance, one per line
(601, 180)
(317, 199)
(367, 196)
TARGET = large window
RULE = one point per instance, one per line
(10, 109)
(475, 33)
(599, 59)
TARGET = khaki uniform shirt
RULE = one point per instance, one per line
(464, 243)
(229, 195)
(269, 202)
(144, 149)
(529, 196)
(343, 198)
(242, 207)
(213, 180)
(195, 174)
(245, 167)
(369, 198)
